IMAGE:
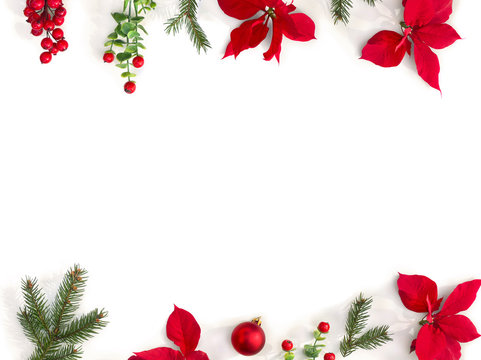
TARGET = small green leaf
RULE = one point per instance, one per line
(127, 74)
(119, 17)
(143, 29)
(133, 35)
(119, 31)
(108, 43)
(137, 19)
(131, 49)
(123, 56)
(289, 356)
(127, 27)
(113, 36)
(119, 43)
(140, 45)
(122, 66)
(126, 3)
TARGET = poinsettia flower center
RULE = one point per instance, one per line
(271, 13)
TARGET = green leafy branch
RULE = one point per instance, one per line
(356, 322)
(341, 9)
(54, 330)
(187, 17)
(313, 351)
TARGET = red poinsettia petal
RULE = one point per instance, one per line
(275, 47)
(197, 355)
(461, 298)
(418, 13)
(427, 64)
(228, 50)
(385, 49)
(414, 289)
(459, 327)
(301, 28)
(161, 353)
(241, 9)
(452, 351)
(413, 346)
(243, 37)
(442, 11)
(437, 36)
(183, 330)
(429, 343)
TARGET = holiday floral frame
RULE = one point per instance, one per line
(423, 28)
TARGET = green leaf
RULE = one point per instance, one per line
(143, 29)
(119, 43)
(119, 17)
(113, 36)
(131, 49)
(127, 27)
(289, 356)
(137, 19)
(108, 43)
(127, 74)
(123, 56)
(119, 31)
(140, 45)
(311, 351)
(122, 66)
(133, 35)
(126, 3)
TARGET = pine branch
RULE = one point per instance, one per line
(36, 304)
(69, 295)
(188, 17)
(54, 331)
(370, 2)
(340, 10)
(356, 322)
(83, 328)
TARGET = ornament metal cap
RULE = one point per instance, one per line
(257, 321)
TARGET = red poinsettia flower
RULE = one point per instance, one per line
(250, 33)
(184, 331)
(424, 23)
(441, 332)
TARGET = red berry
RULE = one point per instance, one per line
(37, 32)
(46, 43)
(138, 61)
(329, 356)
(62, 45)
(28, 11)
(37, 24)
(58, 20)
(54, 49)
(129, 87)
(61, 12)
(323, 327)
(108, 57)
(33, 17)
(37, 4)
(57, 34)
(49, 25)
(287, 345)
(54, 3)
(45, 57)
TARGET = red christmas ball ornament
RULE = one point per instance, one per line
(248, 338)
(323, 327)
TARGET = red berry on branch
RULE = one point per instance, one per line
(28, 11)
(54, 49)
(138, 61)
(129, 87)
(37, 4)
(49, 25)
(57, 34)
(109, 57)
(37, 24)
(323, 327)
(53, 4)
(329, 356)
(37, 32)
(287, 345)
(46, 43)
(58, 20)
(62, 45)
(45, 57)
(61, 12)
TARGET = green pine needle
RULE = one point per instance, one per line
(341, 9)
(187, 17)
(356, 322)
(54, 330)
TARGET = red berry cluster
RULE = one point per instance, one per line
(47, 15)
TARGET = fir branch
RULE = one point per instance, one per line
(36, 303)
(54, 331)
(69, 295)
(187, 17)
(370, 2)
(356, 322)
(83, 328)
(340, 10)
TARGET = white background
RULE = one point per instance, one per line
(237, 188)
